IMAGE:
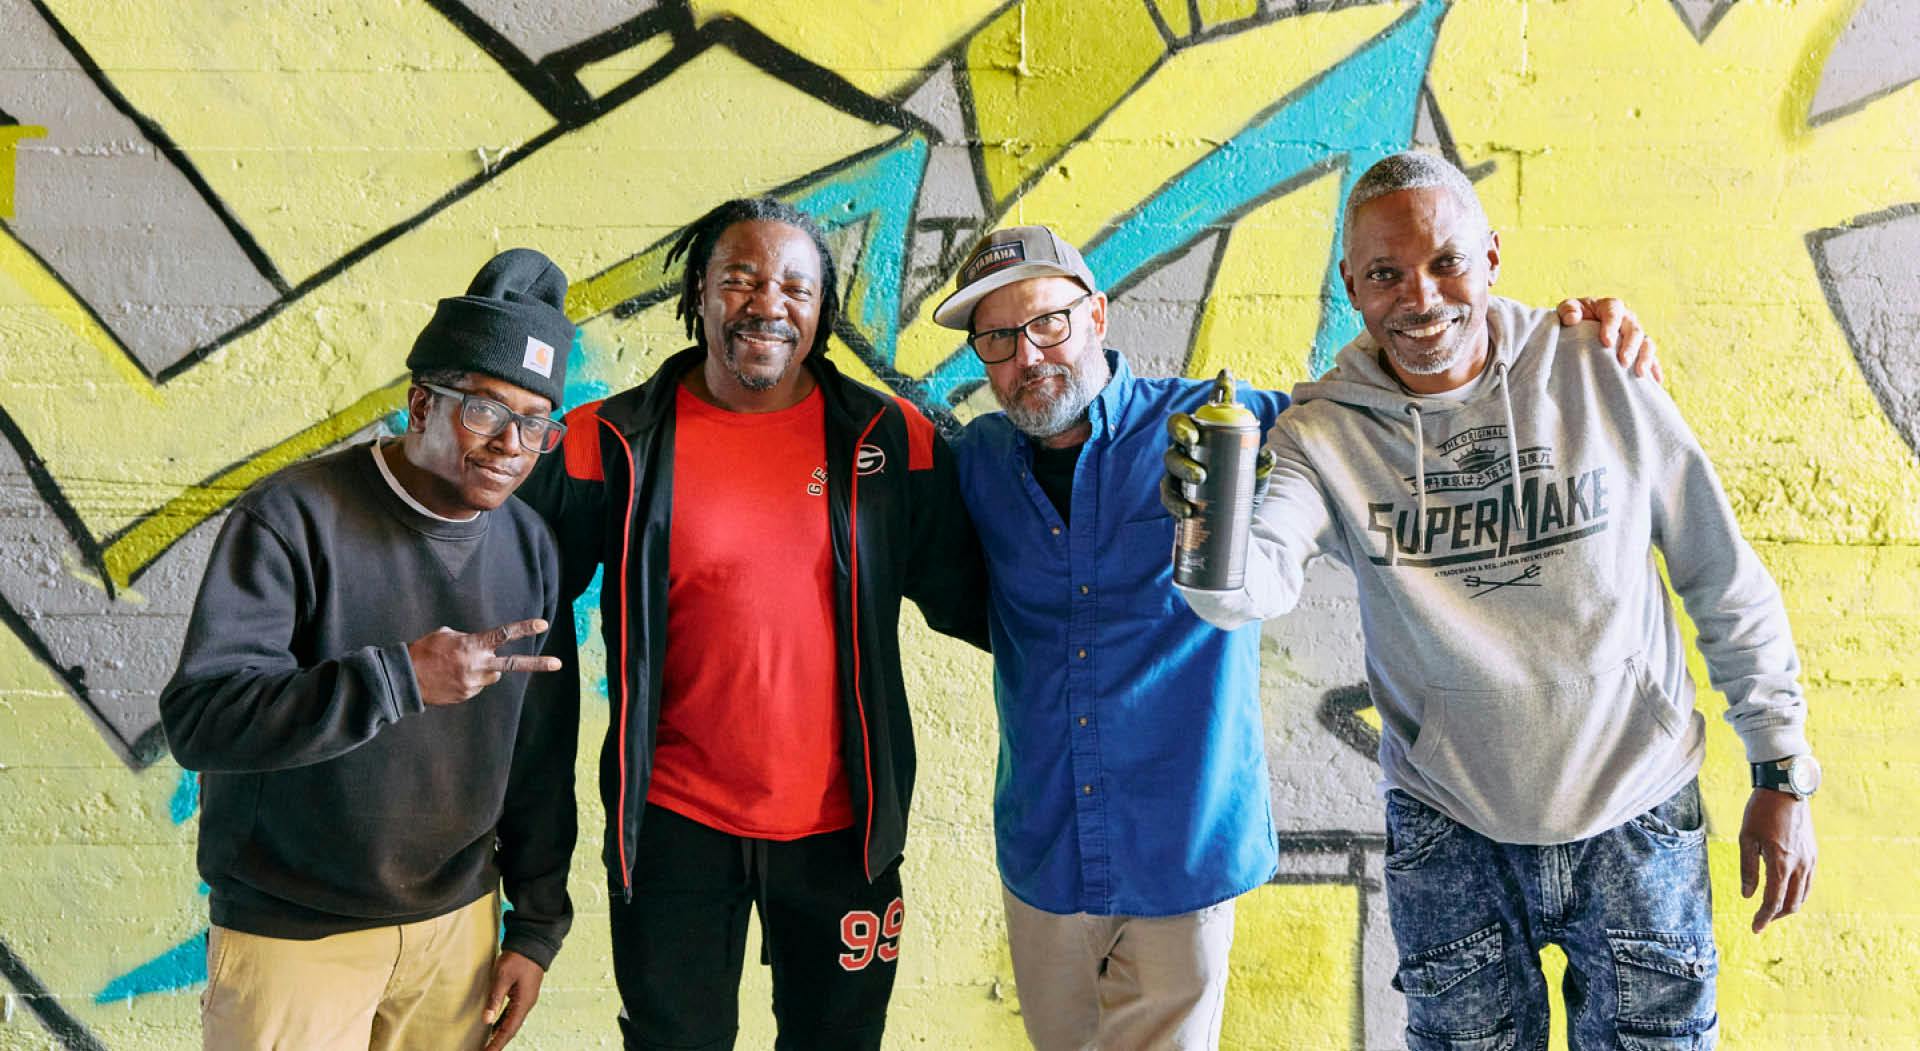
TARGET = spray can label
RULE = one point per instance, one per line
(1210, 546)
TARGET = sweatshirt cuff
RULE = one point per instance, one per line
(1226, 610)
(403, 690)
(1764, 746)
(527, 944)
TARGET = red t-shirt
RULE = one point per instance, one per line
(749, 735)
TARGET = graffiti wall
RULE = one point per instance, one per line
(221, 224)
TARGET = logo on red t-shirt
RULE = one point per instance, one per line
(817, 482)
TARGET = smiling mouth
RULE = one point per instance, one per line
(500, 473)
(1428, 331)
(761, 341)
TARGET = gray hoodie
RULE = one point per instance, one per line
(1521, 651)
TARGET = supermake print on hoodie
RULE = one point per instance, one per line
(1520, 648)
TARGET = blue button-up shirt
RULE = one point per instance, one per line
(1133, 774)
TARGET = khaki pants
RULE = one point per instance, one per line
(412, 986)
(1120, 983)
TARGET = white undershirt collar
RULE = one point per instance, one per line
(400, 491)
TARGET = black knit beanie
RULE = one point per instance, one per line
(511, 324)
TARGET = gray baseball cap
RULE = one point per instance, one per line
(1004, 257)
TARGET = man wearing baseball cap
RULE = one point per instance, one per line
(1131, 805)
(361, 686)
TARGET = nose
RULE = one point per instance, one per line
(1422, 291)
(767, 300)
(1025, 354)
(508, 440)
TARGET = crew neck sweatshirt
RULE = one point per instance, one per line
(332, 798)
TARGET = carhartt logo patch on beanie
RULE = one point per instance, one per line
(511, 324)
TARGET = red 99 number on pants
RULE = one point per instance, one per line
(869, 937)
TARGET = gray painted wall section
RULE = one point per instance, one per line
(99, 204)
(541, 27)
(1877, 54)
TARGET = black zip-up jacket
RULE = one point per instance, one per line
(898, 529)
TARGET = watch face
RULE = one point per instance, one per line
(1803, 775)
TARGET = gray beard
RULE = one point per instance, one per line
(1058, 416)
(1432, 365)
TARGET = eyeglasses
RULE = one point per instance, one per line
(486, 417)
(1050, 329)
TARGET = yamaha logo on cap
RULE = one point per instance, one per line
(995, 258)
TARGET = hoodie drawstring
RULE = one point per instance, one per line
(1513, 429)
(1419, 470)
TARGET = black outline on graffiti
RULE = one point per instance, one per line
(165, 146)
(45, 1005)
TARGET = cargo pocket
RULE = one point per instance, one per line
(1457, 995)
(1666, 988)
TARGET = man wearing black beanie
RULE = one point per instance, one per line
(362, 686)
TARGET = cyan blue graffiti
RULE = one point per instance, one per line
(586, 619)
(1350, 116)
(186, 798)
(880, 191)
(180, 967)
(1354, 114)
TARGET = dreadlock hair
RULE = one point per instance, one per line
(696, 245)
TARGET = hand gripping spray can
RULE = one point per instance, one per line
(1210, 546)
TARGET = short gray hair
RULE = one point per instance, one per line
(1410, 171)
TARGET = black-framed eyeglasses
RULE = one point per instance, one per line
(1050, 329)
(486, 417)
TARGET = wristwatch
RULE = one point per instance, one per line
(1797, 776)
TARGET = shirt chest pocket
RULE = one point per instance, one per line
(1137, 569)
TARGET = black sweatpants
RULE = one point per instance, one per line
(831, 938)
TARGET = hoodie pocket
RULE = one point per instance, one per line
(1538, 762)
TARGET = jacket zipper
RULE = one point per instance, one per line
(853, 615)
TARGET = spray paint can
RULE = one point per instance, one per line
(1210, 546)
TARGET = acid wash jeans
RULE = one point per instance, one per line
(1630, 907)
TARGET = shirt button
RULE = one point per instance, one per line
(1086, 790)
(1083, 589)
(1083, 654)
(1083, 720)
(1056, 530)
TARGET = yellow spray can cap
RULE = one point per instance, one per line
(1221, 410)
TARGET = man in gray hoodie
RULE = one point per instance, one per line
(1499, 492)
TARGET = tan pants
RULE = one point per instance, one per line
(1120, 983)
(412, 986)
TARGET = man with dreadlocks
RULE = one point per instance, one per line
(759, 517)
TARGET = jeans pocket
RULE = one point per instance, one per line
(1414, 829)
(1666, 989)
(1457, 995)
(1678, 823)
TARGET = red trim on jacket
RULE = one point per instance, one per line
(853, 615)
(582, 444)
(626, 552)
(919, 436)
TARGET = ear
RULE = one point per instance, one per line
(1097, 314)
(419, 403)
(1493, 256)
(1346, 280)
